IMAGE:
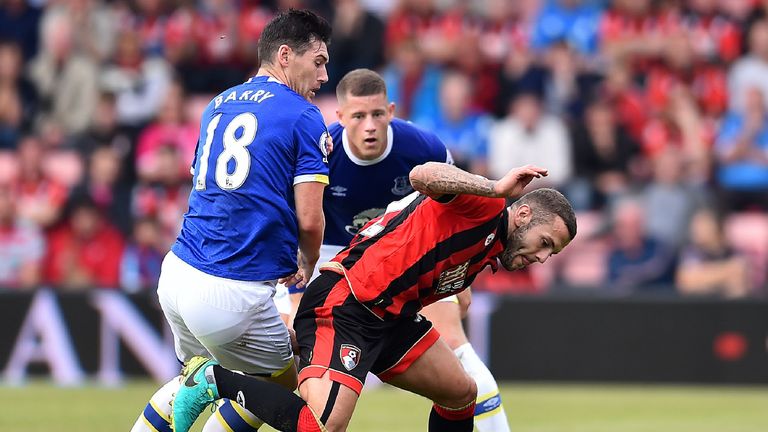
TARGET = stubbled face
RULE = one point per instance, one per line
(306, 72)
(534, 242)
(366, 120)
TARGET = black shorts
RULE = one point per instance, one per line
(339, 335)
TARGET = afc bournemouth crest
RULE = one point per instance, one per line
(350, 356)
(452, 279)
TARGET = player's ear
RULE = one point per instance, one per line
(284, 55)
(522, 215)
(391, 110)
(340, 116)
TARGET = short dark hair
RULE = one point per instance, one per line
(296, 28)
(361, 82)
(548, 203)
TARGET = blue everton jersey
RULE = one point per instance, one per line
(360, 190)
(257, 140)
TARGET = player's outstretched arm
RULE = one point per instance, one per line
(435, 179)
(309, 212)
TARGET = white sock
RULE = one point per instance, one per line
(489, 412)
(157, 414)
(230, 416)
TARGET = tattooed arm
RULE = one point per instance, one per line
(436, 179)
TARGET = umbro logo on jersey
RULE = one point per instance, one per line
(339, 191)
(350, 356)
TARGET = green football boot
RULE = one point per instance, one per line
(195, 393)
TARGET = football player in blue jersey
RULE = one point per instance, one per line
(259, 172)
(368, 170)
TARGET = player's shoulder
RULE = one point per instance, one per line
(410, 137)
(335, 129)
(406, 130)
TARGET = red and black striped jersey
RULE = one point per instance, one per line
(407, 259)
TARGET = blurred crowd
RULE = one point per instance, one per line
(651, 116)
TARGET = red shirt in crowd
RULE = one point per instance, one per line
(97, 257)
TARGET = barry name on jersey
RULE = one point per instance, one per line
(257, 96)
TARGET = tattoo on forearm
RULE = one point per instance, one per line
(447, 179)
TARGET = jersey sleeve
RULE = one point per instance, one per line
(311, 138)
(475, 207)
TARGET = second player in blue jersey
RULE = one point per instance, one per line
(359, 186)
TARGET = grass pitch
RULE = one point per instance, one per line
(40, 407)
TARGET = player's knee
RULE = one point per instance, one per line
(471, 392)
(454, 339)
(463, 394)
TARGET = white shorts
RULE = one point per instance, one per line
(233, 321)
(283, 299)
(327, 252)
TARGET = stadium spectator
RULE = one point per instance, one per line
(66, 80)
(214, 46)
(149, 20)
(633, 31)
(101, 184)
(637, 262)
(40, 198)
(357, 42)
(104, 131)
(163, 192)
(171, 127)
(504, 31)
(529, 136)
(714, 35)
(626, 98)
(84, 251)
(742, 153)
(603, 157)
(139, 82)
(93, 28)
(681, 68)
(253, 17)
(680, 126)
(422, 20)
(566, 82)
(143, 256)
(413, 83)
(10, 116)
(750, 70)
(19, 104)
(574, 22)
(708, 265)
(22, 245)
(20, 22)
(463, 130)
(672, 190)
